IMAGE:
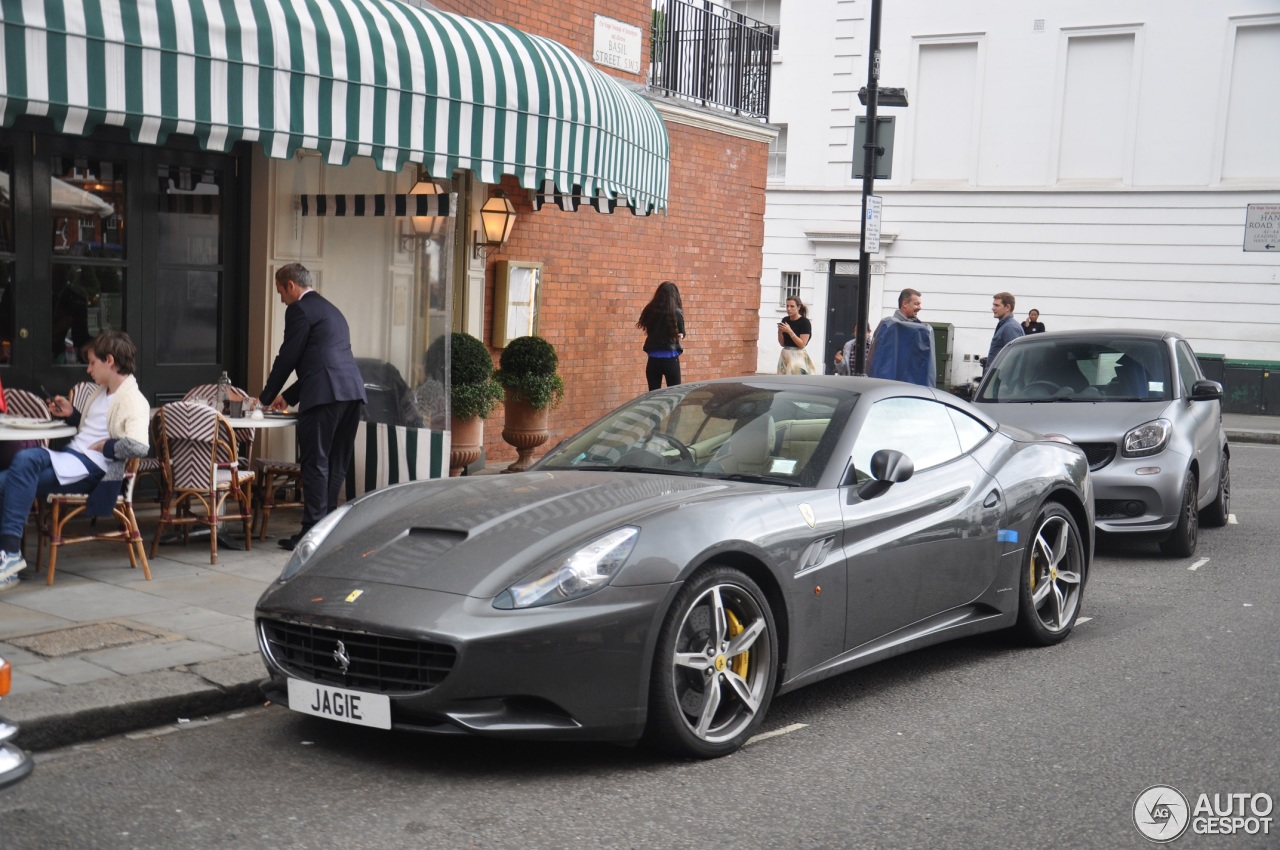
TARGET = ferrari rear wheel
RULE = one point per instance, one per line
(1053, 577)
(715, 667)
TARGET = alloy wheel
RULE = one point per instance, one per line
(722, 666)
(1056, 573)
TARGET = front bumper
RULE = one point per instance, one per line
(1127, 501)
(574, 670)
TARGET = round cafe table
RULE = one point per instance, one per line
(268, 422)
(53, 429)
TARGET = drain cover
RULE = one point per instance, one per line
(80, 639)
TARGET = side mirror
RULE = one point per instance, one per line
(1206, 390)
(888, 467)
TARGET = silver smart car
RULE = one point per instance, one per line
(1146, 417)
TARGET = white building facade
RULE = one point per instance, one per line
(1097, 159)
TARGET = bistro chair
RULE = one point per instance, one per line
(28, 404)
(208, 394)
(64, 507)
(279, 486)
(80, 395)
(198, 456)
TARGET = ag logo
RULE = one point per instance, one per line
(1161, 813)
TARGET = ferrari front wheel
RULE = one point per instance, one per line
(715, 668)
(1053, 577)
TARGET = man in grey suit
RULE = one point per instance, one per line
(329, 391)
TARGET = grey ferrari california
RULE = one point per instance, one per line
(666, 572)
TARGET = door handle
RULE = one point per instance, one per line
(993, 499)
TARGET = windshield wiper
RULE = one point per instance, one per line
(630, 468)
(757, 479)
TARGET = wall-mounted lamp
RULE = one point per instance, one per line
(421, 227)
(497, 217)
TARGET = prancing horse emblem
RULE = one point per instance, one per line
(340, 656)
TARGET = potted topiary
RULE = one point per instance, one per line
(473, 393)
(527, 371)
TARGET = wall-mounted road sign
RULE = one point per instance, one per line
(1262, 227)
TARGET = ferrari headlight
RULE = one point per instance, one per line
(576, 574)
(1147, 439)
(311, 541)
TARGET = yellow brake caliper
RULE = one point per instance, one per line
(741, 661)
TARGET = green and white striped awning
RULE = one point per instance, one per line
(373, 78)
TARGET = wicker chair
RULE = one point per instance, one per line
(198, 455)
(280, 486)
(64, 507)
(208, 394)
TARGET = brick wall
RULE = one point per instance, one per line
(570, 22)
(600, 270)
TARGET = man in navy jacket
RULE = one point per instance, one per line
(329, 391)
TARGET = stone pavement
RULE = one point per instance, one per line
(104, 651)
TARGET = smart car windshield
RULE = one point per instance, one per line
(733, 431)
(1074, 370)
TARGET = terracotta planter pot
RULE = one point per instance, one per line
(525, 429)
(466, 441)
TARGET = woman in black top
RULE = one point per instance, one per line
(793, 335)
(662, 320)
(1033, 325)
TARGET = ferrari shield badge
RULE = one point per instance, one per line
(353, 595)
(807, 513)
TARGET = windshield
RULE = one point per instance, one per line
(1098, 370)
(735, 431)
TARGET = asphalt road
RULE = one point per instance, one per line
(1172, 680)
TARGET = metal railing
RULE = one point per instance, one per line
(709, 54)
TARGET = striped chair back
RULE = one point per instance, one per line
(26, 403)
(208, 393)
(193, 440)
(80, 394)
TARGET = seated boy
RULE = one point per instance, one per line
(112, 429)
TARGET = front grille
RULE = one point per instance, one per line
(378, 663)
(1098, 454)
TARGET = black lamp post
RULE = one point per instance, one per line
(870, 151)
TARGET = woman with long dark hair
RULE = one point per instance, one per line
(662, 321)
(793, 335)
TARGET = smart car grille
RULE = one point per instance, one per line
(389, 665)
(1098, 454)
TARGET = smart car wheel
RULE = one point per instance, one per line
(1181, 542)
(715, 666)
(1218, 513)
(1053, 576)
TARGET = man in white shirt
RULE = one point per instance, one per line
(113, 428)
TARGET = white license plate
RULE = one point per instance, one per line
(358, 707)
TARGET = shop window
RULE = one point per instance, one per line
(6, 259)
(189, 272)
(89, 270)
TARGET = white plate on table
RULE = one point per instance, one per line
(34, 424)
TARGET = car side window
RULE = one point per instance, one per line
(969, 430)
(1188, 368)
(920, 428)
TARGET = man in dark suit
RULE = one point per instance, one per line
(329, 391)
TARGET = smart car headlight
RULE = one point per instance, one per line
(1147, 439)
(576, 574)
(311, 541)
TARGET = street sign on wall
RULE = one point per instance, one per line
(1262, 227)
